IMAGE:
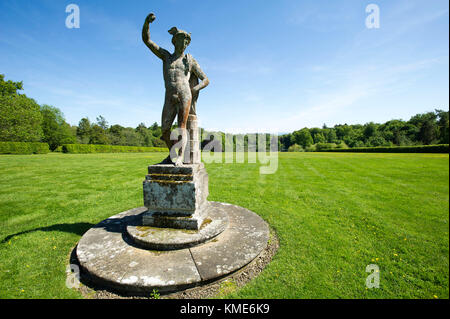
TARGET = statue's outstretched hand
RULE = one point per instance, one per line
(150, 18)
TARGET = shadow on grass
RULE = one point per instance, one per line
(115, 225)
(75, 228)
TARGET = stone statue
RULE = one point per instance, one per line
(181, 78)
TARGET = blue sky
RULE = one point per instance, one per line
(274, 66)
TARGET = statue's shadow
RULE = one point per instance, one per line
(116, 225)
(110, 225)
(74, 228)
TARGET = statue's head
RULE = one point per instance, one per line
(180, 39)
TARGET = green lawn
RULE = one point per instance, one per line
(334, 214)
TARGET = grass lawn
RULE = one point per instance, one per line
(334, 214)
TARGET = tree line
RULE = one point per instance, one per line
(22, 119)
(421, 129)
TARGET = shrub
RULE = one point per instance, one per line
(93, 148)
(295, 148)
(342, 145)
(311, 148)
(23, 148)
(440, 148)
(325, 146)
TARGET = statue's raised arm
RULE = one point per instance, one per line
(156, 49)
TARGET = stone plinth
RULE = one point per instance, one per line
(156, 238)
(194, 141)
(109, 260)
(175, 196)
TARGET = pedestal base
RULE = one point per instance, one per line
(170, 238)
(111, 259)
(171, 220)
(175, 196)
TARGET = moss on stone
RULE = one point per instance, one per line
(205, 223)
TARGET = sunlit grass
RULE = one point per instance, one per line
(334, 213)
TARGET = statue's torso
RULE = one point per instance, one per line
(176, 73)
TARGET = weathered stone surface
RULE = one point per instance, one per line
(246, 236)
(194, 140)
(175, 196)
(164, 271)
(111, 259)
(174, 219)
(171, 169)
(170, 238)
(102, 248)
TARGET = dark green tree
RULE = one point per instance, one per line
(8, 88)
(443, 126)
(98, 135)
(101, 121)
(302, 138)
(20, 117)
(115, 135)
(55, 129)
(145, 135)
(84, 130)
(427, 128)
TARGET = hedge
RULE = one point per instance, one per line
(440, 148)
(93, 148)
(23, 148)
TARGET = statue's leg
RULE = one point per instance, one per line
(168, 116)
(183, 113)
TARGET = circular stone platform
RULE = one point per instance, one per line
(112, 258)
(171, 238)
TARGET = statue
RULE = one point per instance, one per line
(181, 78)
(179, 240)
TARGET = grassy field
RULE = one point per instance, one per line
(334, 214)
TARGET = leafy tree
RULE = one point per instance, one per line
(331, 136)
(319, 138)
(443, 126)
(98, 135)
(55, 129)
(101, 121)
(342, 131)
(392, 131)
(377, 140)
(285, 141)
(157, 142)
(145, 135)
(115, 135)
(20, 119)
(369, 130)
(302, 137)
(84, 130)
(314, 132)
(427, 127)
(131, 138)
(8, 88)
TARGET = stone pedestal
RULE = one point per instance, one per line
(107, 258)
(193, 155)
(175, 196)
